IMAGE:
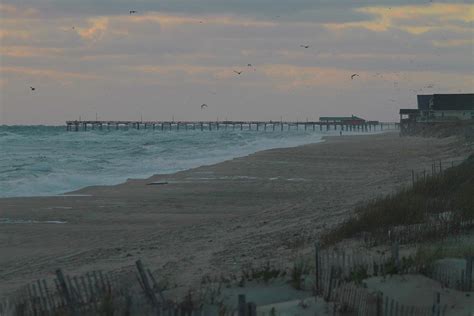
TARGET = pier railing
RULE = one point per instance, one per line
(231, 125)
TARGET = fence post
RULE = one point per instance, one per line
(331, 282)
(412, 177)
(436, 305)
(317, 268)
(65, 291)
(396, 255)
(146, 286)
(242, 305)
(468, 286)
(252, 309)
(379, 304)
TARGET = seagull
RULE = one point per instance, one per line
(32, 88)
(238, 72)
(132, 12)
(304, 46)
(249, 65)
(203, 106)
(354, 75)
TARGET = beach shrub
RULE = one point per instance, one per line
(358, 274)
(449, 192)
(264, 273)
(297, 274)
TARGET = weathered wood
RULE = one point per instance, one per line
(242, 306)
(317, 268)
(251, 309)
(468, 273)
(146, 285)
(156, 286)
(65, 292)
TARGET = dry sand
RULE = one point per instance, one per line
(212, 219)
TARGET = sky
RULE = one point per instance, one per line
(92, 58)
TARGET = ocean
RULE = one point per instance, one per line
(47, 160)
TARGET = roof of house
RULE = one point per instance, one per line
(453, 102)
(340, 118)
(424, 101)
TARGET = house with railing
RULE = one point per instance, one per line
(437, 108)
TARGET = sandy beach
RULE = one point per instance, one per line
(270, 205)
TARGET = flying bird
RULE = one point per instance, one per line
(132, 12)
(32, 88)
(249, 65)
(203, 106)
(304, 46)
(354, 75)
(238, 72)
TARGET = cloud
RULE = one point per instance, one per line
(45, 73)
(96, 29)
(453, 42)
(414, 19)
(14, 34)
(29, 51)
(13, 11)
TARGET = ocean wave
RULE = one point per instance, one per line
(47, 160)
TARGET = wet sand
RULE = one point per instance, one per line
(213, 219)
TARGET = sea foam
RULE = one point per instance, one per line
(45, 160)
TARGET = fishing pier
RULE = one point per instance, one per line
(366, 126)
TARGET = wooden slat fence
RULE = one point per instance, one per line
(94, 293)
(454, 277)
(422, 232)
(337, 275)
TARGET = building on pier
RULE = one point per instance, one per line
(343, 120)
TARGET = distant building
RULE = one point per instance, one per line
(424, 103)
(452, 107)
(441, 107)
(437, 108)
(345, 120)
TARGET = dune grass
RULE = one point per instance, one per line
(451, 192)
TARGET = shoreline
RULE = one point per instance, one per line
(267, 206)
(75, 183)
(323, 139)
(251, 146)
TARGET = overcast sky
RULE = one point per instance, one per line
(164, 61)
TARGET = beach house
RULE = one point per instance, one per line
(450, 107)
(437, 108)
(441, 108)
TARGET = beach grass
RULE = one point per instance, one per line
(450, 193)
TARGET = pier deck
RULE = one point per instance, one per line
(228, 125)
